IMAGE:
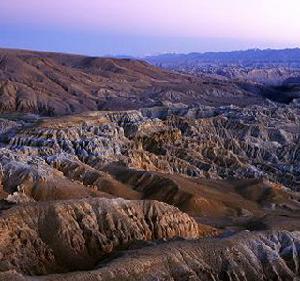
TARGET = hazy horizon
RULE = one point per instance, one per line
(140, 28)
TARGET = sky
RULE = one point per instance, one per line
(140, 27)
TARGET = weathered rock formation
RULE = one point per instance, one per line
(244, 257)
(225, 142)
(72, 235)
(79, 193)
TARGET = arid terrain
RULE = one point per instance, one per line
(273, 74)
(58, 84)
(115, 169)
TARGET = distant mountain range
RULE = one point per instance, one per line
(287, 57)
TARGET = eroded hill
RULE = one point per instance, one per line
(59, 84)
(131, 194)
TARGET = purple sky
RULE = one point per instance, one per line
(138, 27)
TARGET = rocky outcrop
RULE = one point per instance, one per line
(32, 177)
(73, 235)
(246, 256)
(215, 143)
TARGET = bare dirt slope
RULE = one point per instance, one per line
(56, 84)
